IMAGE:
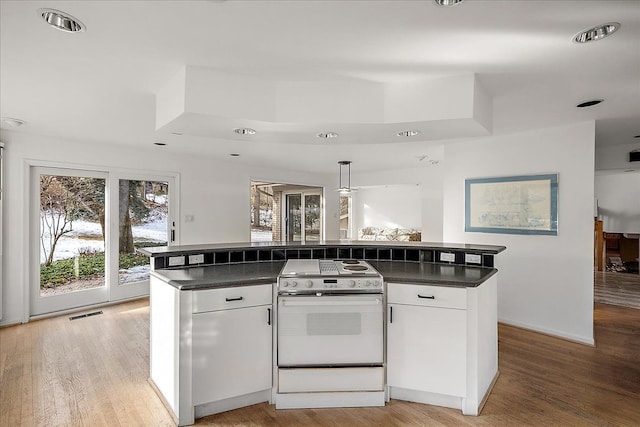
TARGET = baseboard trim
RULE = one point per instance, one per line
(84, 308)
(488, 392)
(553, 334)
(163, 400)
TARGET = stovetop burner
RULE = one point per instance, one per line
(350, 261)
(356, 267)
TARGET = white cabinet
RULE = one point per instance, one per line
(426, 349)
(231, 353)
(231, 342)
(442, 344)
(211, 350)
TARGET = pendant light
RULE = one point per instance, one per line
(345, 188)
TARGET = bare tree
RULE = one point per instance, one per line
(126, 232)
(57, 212)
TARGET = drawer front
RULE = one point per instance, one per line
(306, 380)
(236, 297)
(427, 295)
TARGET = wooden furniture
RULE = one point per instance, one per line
(598, 245)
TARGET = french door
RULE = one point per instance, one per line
(85, 227)
(303, 216)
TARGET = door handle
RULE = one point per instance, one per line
(318, 303)
(391, 314)
(269, 316)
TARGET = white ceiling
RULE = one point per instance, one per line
(99, 86)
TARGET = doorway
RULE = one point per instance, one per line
(617, 238)
(286, 212)
(86, 226)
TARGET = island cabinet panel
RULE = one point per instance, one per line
(231, 353)
(442, 344)
(426, 348)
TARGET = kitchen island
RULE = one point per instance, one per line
(213, 325)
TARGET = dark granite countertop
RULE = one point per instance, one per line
(422, 273)
(221, 276)
(191, 249)
(255, 273)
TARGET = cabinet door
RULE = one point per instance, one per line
(231, 353)
(426, 349)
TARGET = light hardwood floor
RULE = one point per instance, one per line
(93, 372)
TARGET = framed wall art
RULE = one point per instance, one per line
(525, 204)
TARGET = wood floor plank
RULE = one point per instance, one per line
(93, 372)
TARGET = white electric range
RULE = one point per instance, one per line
(330, 335)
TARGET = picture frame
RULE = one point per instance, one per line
(525, 204)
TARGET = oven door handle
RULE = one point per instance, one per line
(319, 302)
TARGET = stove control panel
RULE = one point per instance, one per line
(320, 284)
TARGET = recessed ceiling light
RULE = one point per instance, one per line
(61, 20)
(596, 33)
(447, 2)
(14, 123)
(160, 143)
(234, 155)
(590, 103)
(327, 135)
(244, 131)
(408, 133)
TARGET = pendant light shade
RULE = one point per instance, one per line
(345, 176)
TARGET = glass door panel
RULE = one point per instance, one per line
(71, 234)
(345, 217)
(294, 217)
(142, 222)
(307, 227)
(68, 220)
(312, 217)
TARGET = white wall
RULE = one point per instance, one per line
(429, 179)
(545, 282)
(387, 207)
(215, 192)
(618, 197)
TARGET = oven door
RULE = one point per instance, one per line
(330, 330)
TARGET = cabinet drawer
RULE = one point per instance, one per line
(427, 295)
(236, 297)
